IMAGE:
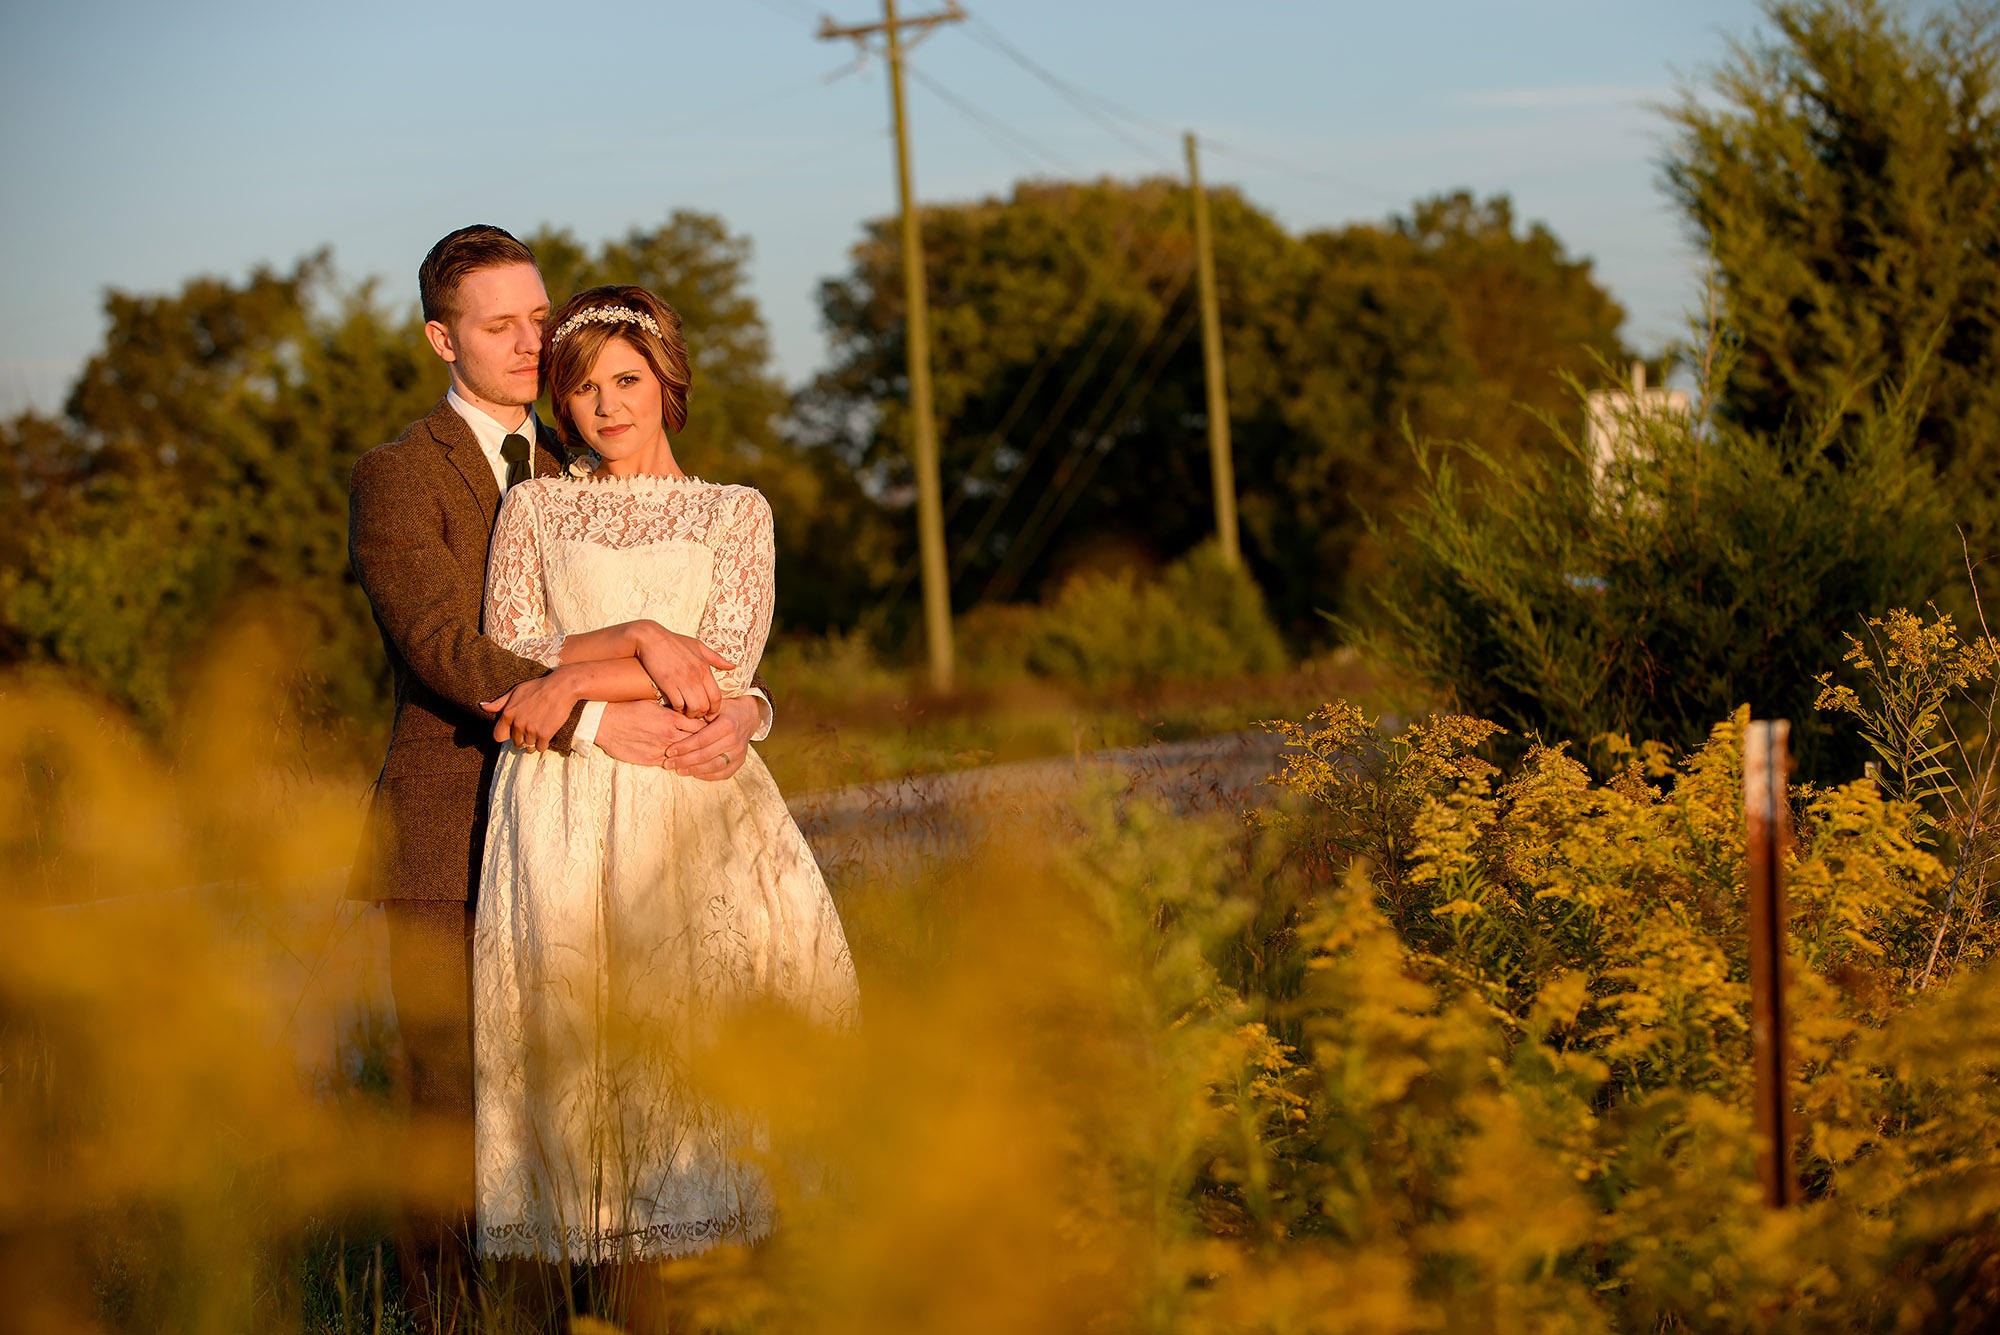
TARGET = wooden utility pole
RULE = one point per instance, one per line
(1767, 833)
(1222, 469)
(923, 429)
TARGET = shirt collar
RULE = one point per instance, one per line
(485, 430)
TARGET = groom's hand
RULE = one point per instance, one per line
(639, 732)
(642, 733)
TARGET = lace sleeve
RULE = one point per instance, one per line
(517, 611)
(738, 616)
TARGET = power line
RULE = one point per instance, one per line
(1047, 428)
(995, 129)
(1082, 99)
(1032, 383)
(1307, 173)
(1047, 514)
(1073, 491)
(1043, 434)
(1046, 431)
(1098, 107)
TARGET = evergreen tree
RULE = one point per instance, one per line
(1711, 567)
(1844, 173)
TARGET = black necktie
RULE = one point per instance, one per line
(514, 450)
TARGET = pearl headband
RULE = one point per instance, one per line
(605, 315)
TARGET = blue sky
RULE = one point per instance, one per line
(141, 144)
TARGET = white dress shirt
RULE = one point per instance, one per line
(490, 435)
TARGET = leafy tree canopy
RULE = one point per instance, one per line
(1070, 399)
(201, 462)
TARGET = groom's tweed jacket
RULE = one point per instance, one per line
(420, 518)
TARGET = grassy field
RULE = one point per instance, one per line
(1423, 1046)
(844, 719)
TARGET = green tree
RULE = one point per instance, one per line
(1844, 172)
(206, 450)
(1069, 383)
(200, 467)
(1527, 314)
(40, 473)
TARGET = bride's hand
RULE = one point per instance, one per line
(682, 667)
(717, 749)
(531, 713)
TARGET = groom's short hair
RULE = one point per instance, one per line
(464, 252)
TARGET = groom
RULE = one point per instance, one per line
(421, 514)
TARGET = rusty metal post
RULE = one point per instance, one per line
(1767, 828)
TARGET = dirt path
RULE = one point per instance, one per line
(890, 823)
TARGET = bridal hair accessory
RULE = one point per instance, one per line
(605, 315)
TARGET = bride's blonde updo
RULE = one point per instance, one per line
(580, 328)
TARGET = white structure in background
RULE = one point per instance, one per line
(1614, 416)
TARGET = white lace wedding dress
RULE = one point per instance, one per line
(624, 910)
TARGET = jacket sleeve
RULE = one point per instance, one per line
(418, 587)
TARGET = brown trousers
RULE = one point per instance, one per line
(430, 973)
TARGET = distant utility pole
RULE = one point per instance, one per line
(1221, 468)
(923, 430)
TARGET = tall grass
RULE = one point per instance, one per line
(180, 991)
(1429, 1046)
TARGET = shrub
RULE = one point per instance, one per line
(1203, 620)
(1713, 567)
(1524, 1045)
(832, 669)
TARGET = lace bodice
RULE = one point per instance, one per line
(571, 556)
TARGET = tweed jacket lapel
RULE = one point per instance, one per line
(448, 429)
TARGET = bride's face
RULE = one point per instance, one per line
(619, 409)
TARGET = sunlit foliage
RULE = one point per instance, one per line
(1431, 1044)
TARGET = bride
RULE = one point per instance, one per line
(623, 909)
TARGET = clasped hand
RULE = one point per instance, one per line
(681, 668)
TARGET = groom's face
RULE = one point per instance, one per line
(494, 338)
